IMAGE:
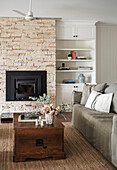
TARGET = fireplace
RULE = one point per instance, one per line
(22, 84)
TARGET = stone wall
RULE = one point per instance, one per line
(27, 45)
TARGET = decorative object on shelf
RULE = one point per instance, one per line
(81, 78)
(64, 68)
(69, 56)
(63, 64)
(68, 81)
(84, 68)
(81, 58)
(73, 53)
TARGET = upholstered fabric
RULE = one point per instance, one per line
(100, 102)
(87, 90)
(99, 87)
(114, 141)
(103, 102)
(113, 89)
(95, 126)
(76, 97)
(92, 99)
(85, 94)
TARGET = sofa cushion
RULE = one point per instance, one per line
(103, 102)
(100, 102)
(76, 97)
(87, 89)
(113, 89)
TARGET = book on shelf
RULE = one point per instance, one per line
(84, 68)
(68, 81)
(81, 58)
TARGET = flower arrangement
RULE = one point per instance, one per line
(42, 99)
(47, 108)
(50, 109)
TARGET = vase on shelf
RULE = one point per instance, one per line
(81, 78)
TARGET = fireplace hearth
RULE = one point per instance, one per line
(22, 84)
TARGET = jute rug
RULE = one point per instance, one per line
(80, 155)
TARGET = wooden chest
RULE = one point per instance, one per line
(36, 142)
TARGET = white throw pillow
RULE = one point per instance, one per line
(103, 102)
(92, 99)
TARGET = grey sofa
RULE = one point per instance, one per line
(95, 126)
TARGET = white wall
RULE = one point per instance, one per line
(106, 53)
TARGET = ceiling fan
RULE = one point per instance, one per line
(29, 16)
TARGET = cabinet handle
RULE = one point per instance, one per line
(75, 86)
(74, 36)
(44, 147)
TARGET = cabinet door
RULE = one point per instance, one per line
(85, 32)
(65, 31)
(64, 94)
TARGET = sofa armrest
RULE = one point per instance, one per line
(76, 97)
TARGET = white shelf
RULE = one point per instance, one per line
(67, 71)
(78, 39)
(69, 84)
(89, 60)
(75, 49)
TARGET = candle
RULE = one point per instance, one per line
(36, 122)
(41, 123)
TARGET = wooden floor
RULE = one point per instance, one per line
(80, 155)
(65, 117)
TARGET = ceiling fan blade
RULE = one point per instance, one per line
(47, 18)
(21, 13)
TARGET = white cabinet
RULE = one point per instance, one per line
(65, 31)
(74, 31)
(85, 32)
(64, 92)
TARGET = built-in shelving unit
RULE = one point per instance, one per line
(81, 38)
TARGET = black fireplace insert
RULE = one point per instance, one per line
(22, 84)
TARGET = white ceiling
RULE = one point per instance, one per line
(99, 10)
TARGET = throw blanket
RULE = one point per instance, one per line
(114, 141)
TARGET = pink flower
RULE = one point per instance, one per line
(52, 106)
(47, 109)
(43, 111)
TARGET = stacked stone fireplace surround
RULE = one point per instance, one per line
(27, 45)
